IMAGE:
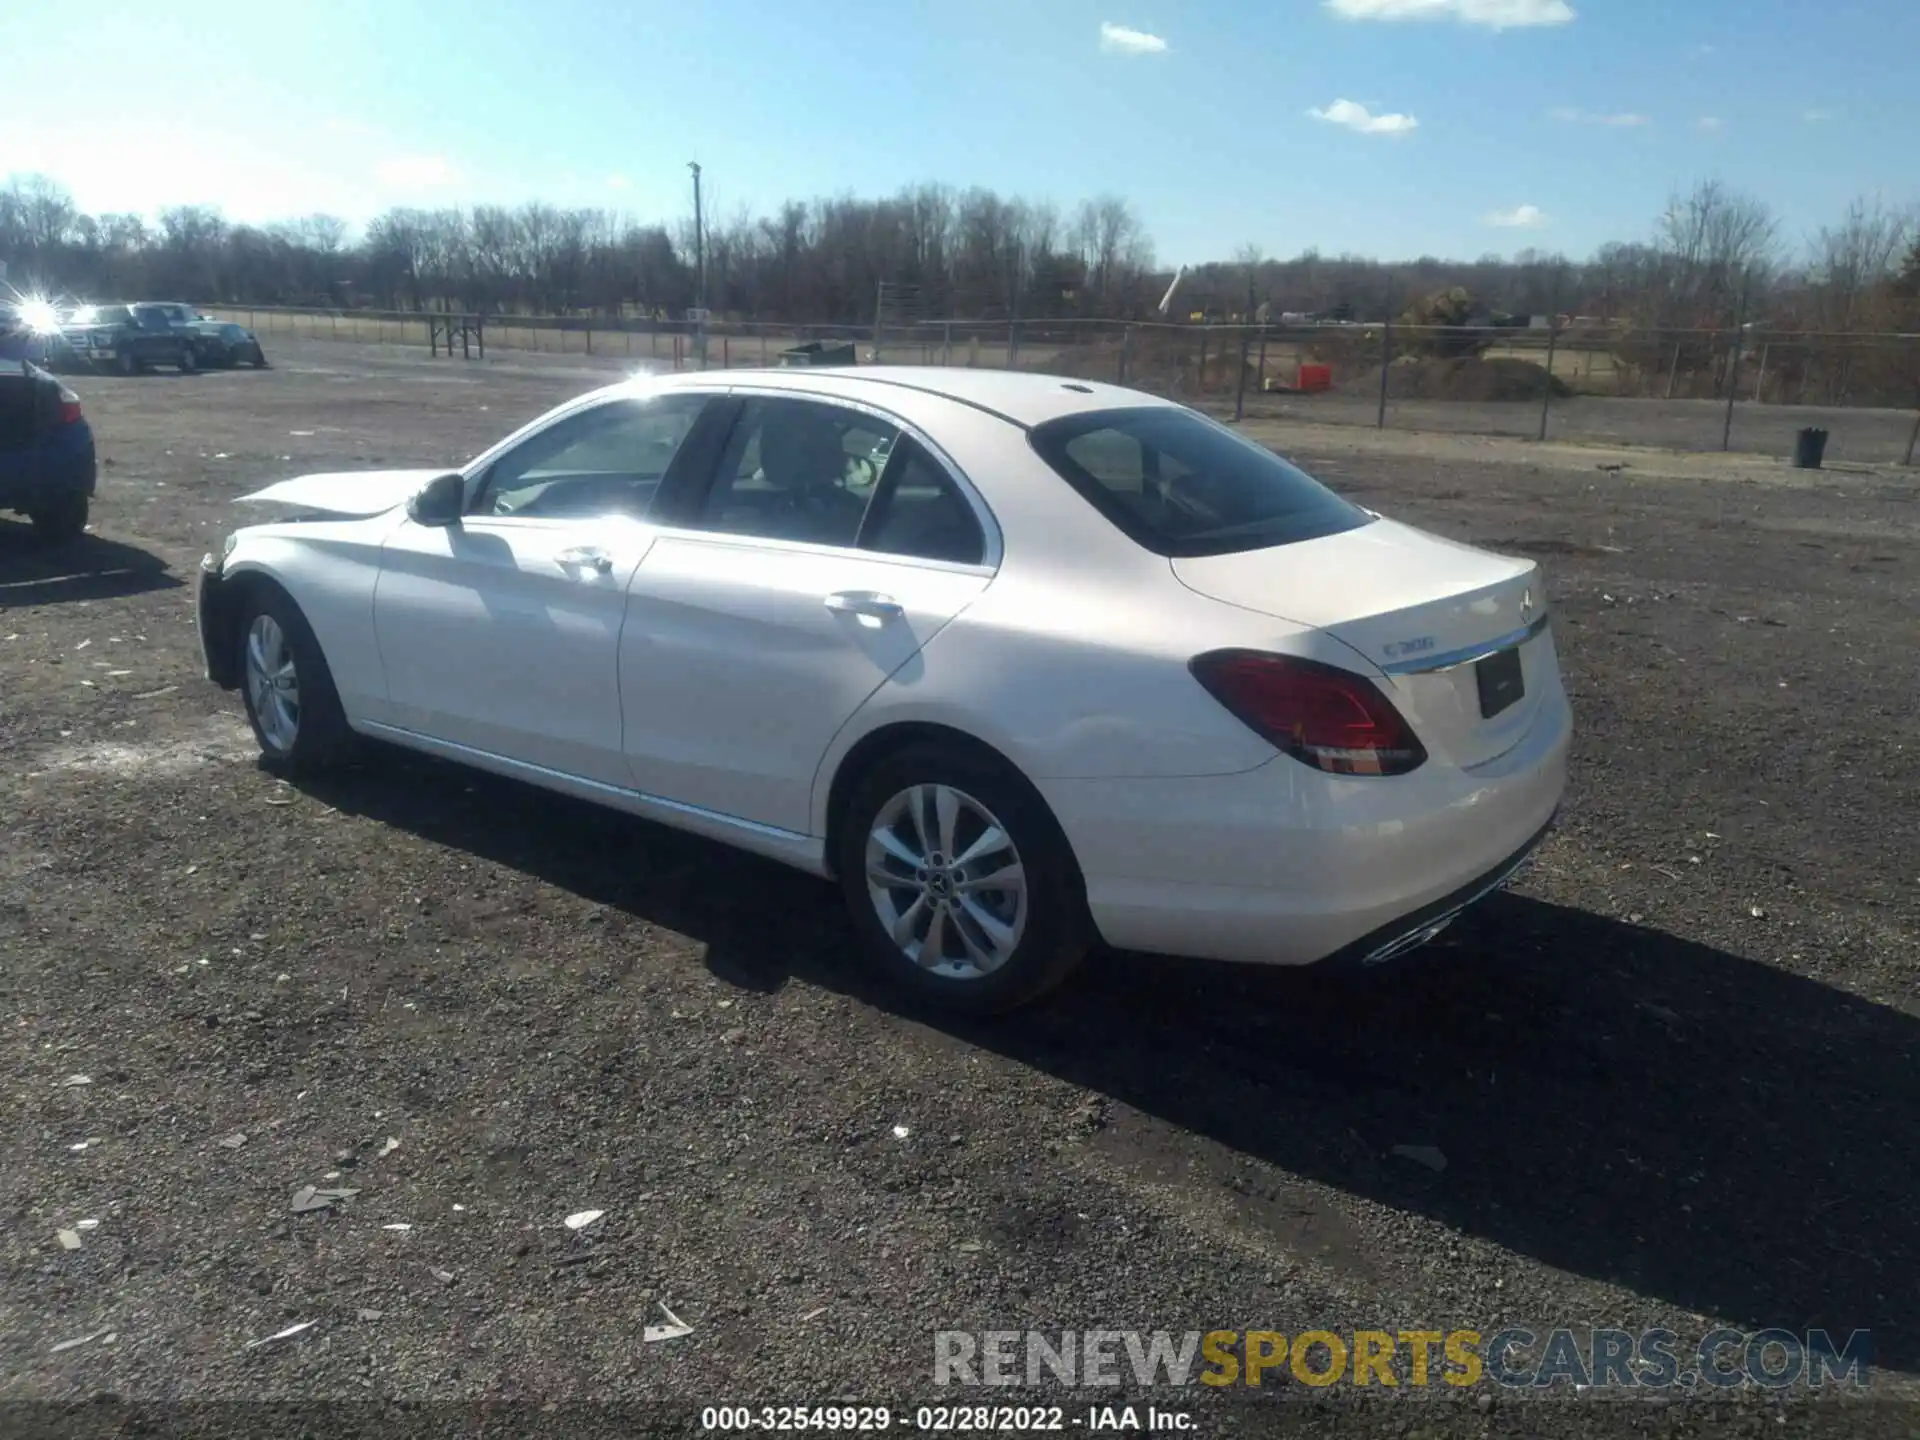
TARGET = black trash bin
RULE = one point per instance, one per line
(820, 352)
(1807, 451)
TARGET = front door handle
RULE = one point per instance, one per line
(869, 603)
(585, 557)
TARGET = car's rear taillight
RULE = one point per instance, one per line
(69, 406)
(1321, 715)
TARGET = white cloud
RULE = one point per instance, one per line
(1521, 217)
(1587, 117)
(1123, 40)
(1362, 121)
(1710, 122)
(1494, 14)
(1814, 117)
(415, 172)
(619, 182)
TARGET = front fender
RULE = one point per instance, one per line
(214, 613)
(329, 570)
(219, 590)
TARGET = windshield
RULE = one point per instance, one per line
(1180, 484)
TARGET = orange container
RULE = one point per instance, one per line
(1315, 377)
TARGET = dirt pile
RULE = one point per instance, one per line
(1468, 378)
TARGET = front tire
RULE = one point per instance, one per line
(60, 521)
(188, 362)
(959, 881)
(291, 702)
(125, 362)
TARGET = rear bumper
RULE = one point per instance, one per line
(48, 469)
(1410, 932)
(1285, 866)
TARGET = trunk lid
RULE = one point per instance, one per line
(1419, 607)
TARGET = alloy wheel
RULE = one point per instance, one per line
(946, 882)
(273, 684)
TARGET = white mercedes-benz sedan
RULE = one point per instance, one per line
(1021, 663)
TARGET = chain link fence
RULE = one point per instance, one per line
(1750, 390)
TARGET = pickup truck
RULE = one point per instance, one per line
(131, 338)
(47, 467)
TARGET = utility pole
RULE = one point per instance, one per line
(1733, 364)
(1553, 339)
(1013, 304)
(699, 274)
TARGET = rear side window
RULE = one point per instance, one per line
(1179, 484)
(918, 511)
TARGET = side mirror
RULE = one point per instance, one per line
(439, 502)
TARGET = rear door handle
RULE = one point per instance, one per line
(865, 602)
(585, 557)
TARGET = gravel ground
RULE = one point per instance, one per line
(1672, 1072)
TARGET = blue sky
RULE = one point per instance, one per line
(1385, 127)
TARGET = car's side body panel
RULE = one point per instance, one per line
(329, 568)
(735, 674)
(804, 852)
(495, 635)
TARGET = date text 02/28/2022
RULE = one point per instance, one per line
(942, 1419)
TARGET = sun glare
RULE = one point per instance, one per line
(40, 317)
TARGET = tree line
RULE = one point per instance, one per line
(1714, 257)
(942, 253)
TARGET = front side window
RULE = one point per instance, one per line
(608, 460)
(1180, 484)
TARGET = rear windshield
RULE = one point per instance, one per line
(1180, 484)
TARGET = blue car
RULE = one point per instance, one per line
(47, 467)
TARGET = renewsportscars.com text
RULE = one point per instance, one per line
(1515, 1357)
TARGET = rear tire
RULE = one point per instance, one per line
(286, 685)
(60, 521)
(994, 947)
(188, 362)
(259, 358)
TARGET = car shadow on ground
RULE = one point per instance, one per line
(33, 572)
(1611, 1100)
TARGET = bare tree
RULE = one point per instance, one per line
(1850, 287)
(1113, 242)
(1852, 262)
(1714, 240)
(46, 212)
